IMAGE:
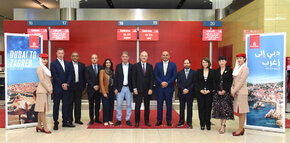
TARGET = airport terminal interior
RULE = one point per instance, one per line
(250, 36)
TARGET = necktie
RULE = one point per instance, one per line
(96, 71)
(186, 73)
(165, 68)
(62, 64)
(143, 68)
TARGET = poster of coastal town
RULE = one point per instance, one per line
(266, 81)
(21, 62)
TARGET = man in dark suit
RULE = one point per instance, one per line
(123, 88)
(77, 86)
(185, 83)
(60, 71)
(92, 78)
(165, 74)
(142, 87)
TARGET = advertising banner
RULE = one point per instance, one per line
(266, 81)
(21, 61)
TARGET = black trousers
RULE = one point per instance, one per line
(185, 99)
(204, 102)
(75, 102)
(138, 101)
(64, 97)
(94, 105)
(108, 106)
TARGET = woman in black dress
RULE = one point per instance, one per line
(222, 99)
(204, 83)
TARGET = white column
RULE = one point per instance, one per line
(220, 4)
(69, 3)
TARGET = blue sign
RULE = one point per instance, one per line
(213, 23)
(266, 82)
(137, 22)
(47, 22)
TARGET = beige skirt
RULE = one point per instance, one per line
(241, 104)
(41, 101)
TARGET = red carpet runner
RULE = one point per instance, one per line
(2, 118)
(153, 120)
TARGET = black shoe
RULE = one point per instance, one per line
(68, 125)
(189, 126)
(55, 127)
(208, 128)
(79, 122)
(91, 122)
(147, 124)
(128, 123)
(169, 124)
(158, 123)
(98, 121)
(118, 123)
(202, 127)
(136, 125)
(180, 125)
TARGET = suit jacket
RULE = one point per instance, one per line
(81, 72)
(59, 76)
(239, 85)
(119, 77)
(183, 82)
(92, 79)
(104, 82)
(44, 85)
(169, 77)
(227, 79)
(141, 82)
(201, 83)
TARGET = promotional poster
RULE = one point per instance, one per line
(21, 60)
(266, 81)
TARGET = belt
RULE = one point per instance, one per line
(126, 85)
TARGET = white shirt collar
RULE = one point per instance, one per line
(60, 60)
(125, 64)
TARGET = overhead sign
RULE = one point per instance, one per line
(127, 34)
(213, 23)
(149, 34)
(212, 34)
(47, 22)
(137, 22)
(58, 34)
(38, 32)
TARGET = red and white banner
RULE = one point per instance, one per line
(212, 34)
(39, 32)
(254, 41)
(33, 42)
(149, 34)
(287, 63)
(58, 34)
(127, 34)
(251, 32)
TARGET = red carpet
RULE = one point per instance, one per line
(153, 120)
(287, 123)
(2, 118)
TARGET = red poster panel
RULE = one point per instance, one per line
(127, 34)
(212, 35)
(288, 63)
(254, 41)
(149, 34)
(39, 32)
(33, 42)
(58, 34)
(251, 32)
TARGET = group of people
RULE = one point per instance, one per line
(219, 92)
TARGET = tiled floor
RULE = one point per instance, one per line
(80, 134)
